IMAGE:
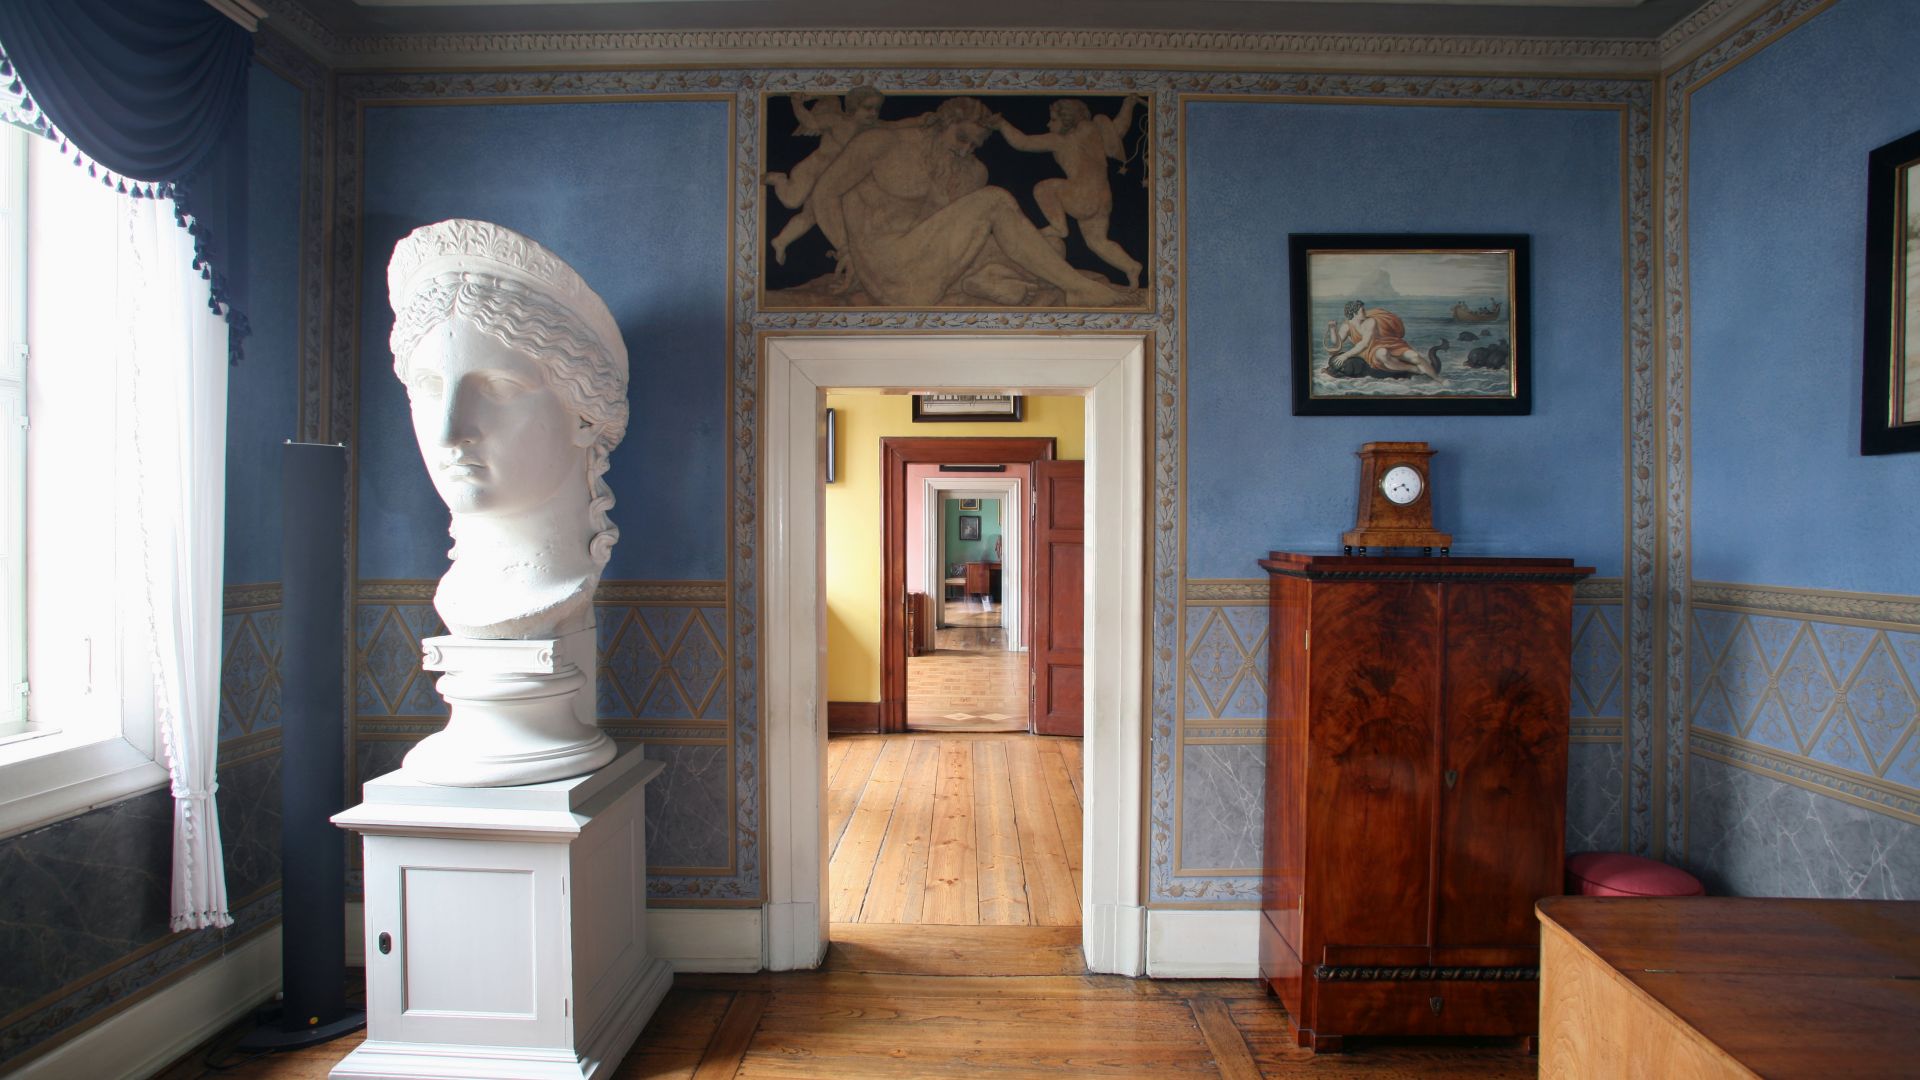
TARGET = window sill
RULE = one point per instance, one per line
(54, 786)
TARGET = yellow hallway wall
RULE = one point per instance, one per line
(853, 516)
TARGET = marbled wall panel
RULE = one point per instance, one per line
(1596, 782)
(1222, 796)
(249, 801)
(688, 818)
(81, 894)
(1756, 835)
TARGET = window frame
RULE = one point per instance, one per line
(49, 770)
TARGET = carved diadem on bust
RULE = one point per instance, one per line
(464, 246)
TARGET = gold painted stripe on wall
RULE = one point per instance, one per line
(1254, 590)
(611, 591)
(1900, 612)
(238, 598)
(1822, 779)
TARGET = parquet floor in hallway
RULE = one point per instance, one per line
(953, 829)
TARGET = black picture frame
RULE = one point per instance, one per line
(1326, 271)
(968, 408)
(969, 526)
(1890, 371)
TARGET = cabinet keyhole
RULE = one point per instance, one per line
(1453, 777)
(386, 943)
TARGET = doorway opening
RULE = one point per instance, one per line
(966, 653)
(1109, 372)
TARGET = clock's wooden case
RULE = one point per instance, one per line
(1416, 790)
(1381, 522)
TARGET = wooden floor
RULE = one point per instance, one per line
(955, 830)
(962, 690)
(847, 1022)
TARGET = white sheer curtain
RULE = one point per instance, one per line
(177, 350)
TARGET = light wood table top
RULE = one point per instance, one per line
(1780, 987)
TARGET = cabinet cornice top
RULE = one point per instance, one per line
(1421, 568)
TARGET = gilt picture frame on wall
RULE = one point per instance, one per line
(1411, 324)
(967, 408)
(1890, 376)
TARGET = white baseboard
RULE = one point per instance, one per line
(155, 1031)
(1203, 944)
(707, 939)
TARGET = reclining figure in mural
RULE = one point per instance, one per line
(517, 379)
(1080, 143)
(1372, 342)
(914, 223)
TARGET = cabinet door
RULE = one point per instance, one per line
(1504, 761)
(1371, 787)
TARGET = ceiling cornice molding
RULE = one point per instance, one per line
(1708, 23)
(1142, 49)
(1161, 50)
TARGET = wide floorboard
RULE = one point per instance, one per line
(955, 830)
(828, 1024)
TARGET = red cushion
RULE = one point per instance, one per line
(1607, 873)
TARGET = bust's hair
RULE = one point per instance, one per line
(575, 363)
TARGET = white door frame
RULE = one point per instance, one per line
(1110, 371)
(1008, 491)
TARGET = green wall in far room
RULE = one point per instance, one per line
(956, 550)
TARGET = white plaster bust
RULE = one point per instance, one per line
(517, 377)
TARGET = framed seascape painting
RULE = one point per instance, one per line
(1890, 383)
(1410, 325)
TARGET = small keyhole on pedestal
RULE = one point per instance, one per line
(386, 943)
(1453, 777)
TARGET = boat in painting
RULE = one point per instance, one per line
(1463, 313)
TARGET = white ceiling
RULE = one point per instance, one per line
(1633, 19)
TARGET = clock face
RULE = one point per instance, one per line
(1402, 484)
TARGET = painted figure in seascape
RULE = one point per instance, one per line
(835, 126)
(913, 222)
(1080, 143)
(1372, 342)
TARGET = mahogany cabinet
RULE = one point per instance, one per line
(1417, 715)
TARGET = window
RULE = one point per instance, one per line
(76, 720)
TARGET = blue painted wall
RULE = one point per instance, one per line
(263, 391)
(1260, 478)
(1777, 211)
(634, 195)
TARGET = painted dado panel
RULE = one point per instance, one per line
(1780, 492)
(1221, 754)
(634, 196)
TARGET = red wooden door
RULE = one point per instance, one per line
(1056, 653)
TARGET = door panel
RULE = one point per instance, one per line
(1059, 577)
(1503, 818)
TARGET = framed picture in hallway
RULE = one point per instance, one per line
(966, 408)
(969, 526)
(1410, 324)
(1890, 380)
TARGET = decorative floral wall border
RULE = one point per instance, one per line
(1633, 97)
(1676, 458)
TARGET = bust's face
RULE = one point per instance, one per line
(496, 438)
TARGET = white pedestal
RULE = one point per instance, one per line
(506, 927)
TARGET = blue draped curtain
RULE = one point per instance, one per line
(149, 95)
